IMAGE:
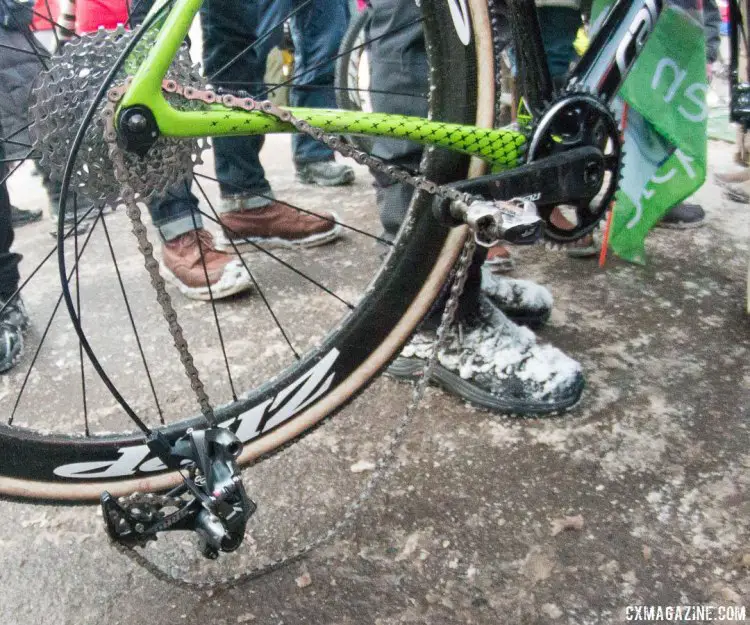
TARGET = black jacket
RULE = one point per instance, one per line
(16, 14)
(19, 67)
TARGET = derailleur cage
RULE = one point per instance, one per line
(211, 501)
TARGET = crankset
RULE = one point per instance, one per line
(565, 188)
(211, 501)
(519, 196)
(576, 119)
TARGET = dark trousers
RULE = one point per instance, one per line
(399, 64)
(8, 260)
(317, 30)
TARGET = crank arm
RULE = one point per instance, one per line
(565, 178)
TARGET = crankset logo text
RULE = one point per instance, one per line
(258, 420)
(460, 16)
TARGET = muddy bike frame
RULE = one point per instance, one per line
(621, 37)
(145, 90)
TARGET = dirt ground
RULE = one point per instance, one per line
(654, 462)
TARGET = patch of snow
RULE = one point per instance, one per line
(496, 346)
(515, 293)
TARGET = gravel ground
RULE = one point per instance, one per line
(637, 497)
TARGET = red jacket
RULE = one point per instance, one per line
(90, 14)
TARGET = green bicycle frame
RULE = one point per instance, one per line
(501, 148)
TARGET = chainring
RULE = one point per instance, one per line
(61, 97)
(577, 119)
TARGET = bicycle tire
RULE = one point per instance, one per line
(54, 468)
(348, 66)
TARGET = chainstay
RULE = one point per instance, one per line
(395, 173)
(383, 467)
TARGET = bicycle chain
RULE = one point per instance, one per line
(383, 467)
(133, 212)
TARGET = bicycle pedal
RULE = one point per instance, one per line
(516, 222)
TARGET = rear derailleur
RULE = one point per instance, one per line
(211, 501)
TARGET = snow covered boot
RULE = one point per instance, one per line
(491, 362)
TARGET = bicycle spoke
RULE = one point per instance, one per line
(44, 260)
(132, 321)
(78, 312)
(258, 247)
(49, 323)
(16, 167)
(266, 303)
(14, 133)
(302, 210)
(28, 37)
(65, 31)
(213, 302)
(20, 144)
(54, 30)
(340, 54)
(263, 37)
(23, 51)
(19, 160)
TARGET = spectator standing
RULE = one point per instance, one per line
(248, 212)
(487, 358)
(18, 68)
(317, 30)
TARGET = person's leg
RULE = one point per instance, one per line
(487, 359)
(559, 27)
(176, 213)
(317, 31)
(687, 215)
(248, 212)
(188, 253)
(228, 29)
(398, 65)
(9, 275)
(13, 319)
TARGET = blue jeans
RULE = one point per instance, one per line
(228, 29)
(176, 213)
(317, 31)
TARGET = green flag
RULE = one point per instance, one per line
(665, 116)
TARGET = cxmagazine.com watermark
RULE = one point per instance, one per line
(685, 613)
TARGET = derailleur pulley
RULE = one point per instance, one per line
(211, 501)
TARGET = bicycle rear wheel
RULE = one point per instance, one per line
(331, 369)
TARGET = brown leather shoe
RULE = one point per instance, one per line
(182, 266)
(275, 225)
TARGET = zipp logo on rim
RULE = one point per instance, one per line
(259, 419)
(460, 16)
